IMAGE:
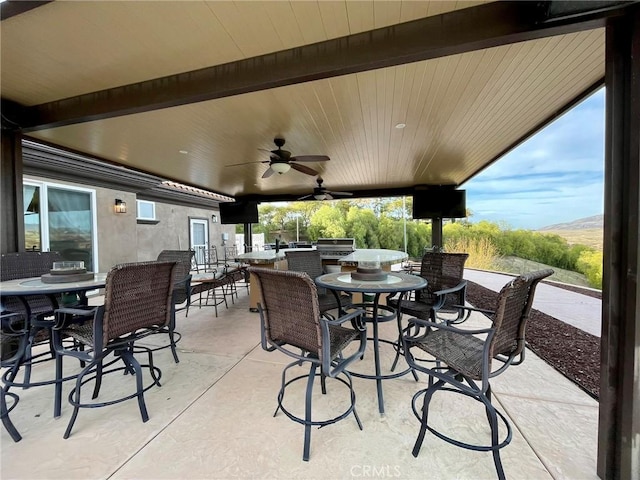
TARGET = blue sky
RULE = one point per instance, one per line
(555, 176)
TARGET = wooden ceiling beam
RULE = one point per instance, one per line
(456, 32)
(12, 8)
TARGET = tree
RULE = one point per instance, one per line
(327, 222)
(362, 225)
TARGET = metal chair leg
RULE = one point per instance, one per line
(4, 413)
(139, 387)
(423, 421)
(307, 413)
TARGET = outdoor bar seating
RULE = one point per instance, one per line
(181, 292)
(37, 310)
(138, 302)
(445, 288)
(212, 288)
(237, 270)
(290, 318)
(310, 261)
(464, 359)
(444, 293)
(14, 342)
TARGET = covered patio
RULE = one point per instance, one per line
(212, 418)
(400, 96)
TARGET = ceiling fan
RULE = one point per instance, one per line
(281, 161)
(321, 193)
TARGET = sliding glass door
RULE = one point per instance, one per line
(61, 219)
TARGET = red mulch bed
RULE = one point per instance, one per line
(571, 351)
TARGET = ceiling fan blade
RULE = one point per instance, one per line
(327, 196)
(246, 163)
(305, 197)
(310, 158)
(340, 193)
(270, 171)
(304, 169)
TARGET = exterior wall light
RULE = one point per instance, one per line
(120, 206)
(214, 218)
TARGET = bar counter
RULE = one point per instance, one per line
(261, 258)
(277, 260)
(386, 258)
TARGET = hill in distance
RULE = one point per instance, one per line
(596, 221)
(586, 231)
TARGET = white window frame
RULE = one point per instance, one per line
(44, 214)
(145, 202)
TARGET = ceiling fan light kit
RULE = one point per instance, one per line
(280, 167)
(281, 161)
(322, 193)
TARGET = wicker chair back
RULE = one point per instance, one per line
(24, 265)
(305, 261)
(27, 264)
(512, 313)
(137, 296)
(442, 271)
(289, 303)
(180, 273)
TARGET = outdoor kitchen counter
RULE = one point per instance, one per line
(385, 257)
(271, 259)
(261, 258)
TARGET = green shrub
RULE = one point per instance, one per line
(590, 264)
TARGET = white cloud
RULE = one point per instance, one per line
(555, 176)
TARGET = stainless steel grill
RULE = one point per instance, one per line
(335, 248)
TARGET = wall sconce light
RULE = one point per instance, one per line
(120, 206)
(214, 218)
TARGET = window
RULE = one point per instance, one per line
(145, 210)
(61, 218)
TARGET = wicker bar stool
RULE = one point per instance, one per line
(14, 335)
(444, 294)
(291, 321)
(181, 293)
(36, 309)
(464, 359)
(310, 261)
(138, 302)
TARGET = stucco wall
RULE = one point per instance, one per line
(121, 239)
(172, 231)
(116, 231)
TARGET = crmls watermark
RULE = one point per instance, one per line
(375, 471)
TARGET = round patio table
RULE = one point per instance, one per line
(25, 287)
(394, 282)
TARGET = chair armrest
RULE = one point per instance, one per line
(354, 315)
(474, 309)
(442, 294)
(13, 324)
(79, 315)
(445, 291)
(417, 322)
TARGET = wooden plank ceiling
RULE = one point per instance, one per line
(461, 111)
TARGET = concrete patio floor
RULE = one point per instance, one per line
(213, 418)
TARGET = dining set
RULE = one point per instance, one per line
(431, 338)
(46, 316)
(329, 322)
